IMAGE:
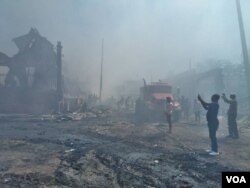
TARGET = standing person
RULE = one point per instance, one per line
(212, 121)
(187, 108)
(197, 110)
(231, 116)
(169, 111)
(183, 107)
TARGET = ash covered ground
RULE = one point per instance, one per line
(107, 149)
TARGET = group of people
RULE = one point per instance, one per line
(125, 103)
(186, 106)
(212, 109)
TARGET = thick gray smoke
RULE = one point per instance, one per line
(142, 38)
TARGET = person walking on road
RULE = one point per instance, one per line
(197, 111)
(169, 111)
(231, 116)
(212, 121)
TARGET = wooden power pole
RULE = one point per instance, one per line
(101, 74)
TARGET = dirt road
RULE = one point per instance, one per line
(114, 152)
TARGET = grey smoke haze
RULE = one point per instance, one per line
(143, 38)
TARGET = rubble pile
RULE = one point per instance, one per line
(95, 112)
(99, 148)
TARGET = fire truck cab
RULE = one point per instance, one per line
(150, 106)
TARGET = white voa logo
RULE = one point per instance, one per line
(236, 179)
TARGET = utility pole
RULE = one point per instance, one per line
(59, 71)
(244, 49)
(59, 86)
(101, 75)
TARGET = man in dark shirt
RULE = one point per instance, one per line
(212, 121)
(232, 115)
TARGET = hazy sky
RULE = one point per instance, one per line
(142, 38)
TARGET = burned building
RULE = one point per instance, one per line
(30, 81)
